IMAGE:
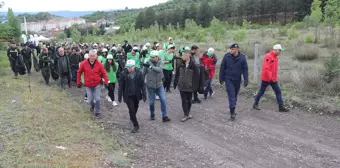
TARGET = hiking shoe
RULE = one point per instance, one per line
(256, 107)
(232, 114)
(168, 91)
(108, 98)
(166, 119)
(152, 118)
(190, 116)
(85, 98)
(92, 108)
(157, 97)
(283, 109)
(185, 118)
(97, 115)
(114, 103)
(135, 130)
(198, 101)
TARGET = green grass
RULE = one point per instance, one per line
(33, 124)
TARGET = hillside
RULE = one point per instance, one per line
(41, 16)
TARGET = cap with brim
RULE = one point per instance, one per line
(135, 48)
(148, 44)
(278, 47)
(130, 63)
(186, 48)
(154, 53)
(104, 50)
(234, 45)
(171, 47)
(170, 38)
(109, 56)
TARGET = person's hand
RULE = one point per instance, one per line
(245, 83)
(144, 98)
(147, 65)
(221, 82)
(79, 86)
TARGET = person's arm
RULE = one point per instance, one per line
(245, 70)
(121, 82)
(158, 69)
(142, 85)
(267, 67)
(177, 76)
(222, 67)
(103, 72)
(80, 71)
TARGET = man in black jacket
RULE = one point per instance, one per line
(195, 58)
(26, 53)
(132, 90)
(63, 66)
(127, 47)
(187, 79)
(13, 54)
(75, 59)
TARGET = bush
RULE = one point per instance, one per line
(283, 31)
(306, 54)
(308, 80)
(334, 88)
(292, 33)
(248, 50)
(332, 68)
(309, 39)
(240, 35)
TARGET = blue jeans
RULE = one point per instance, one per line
(208, 88)
(93, 93)
(233, 87)
(161, 93)
(276, 88)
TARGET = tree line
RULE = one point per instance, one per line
(232, 11)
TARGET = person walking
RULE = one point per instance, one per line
(168, 67)
(63, 66)
(153, 73)
(75, 59)
(111, 68)
(209, 60)
(269, 76)
(86, 56)
(127, 47)
(93, 73)
(132, 90)
(134, 55)
(167, 44)
(13, 56)
(233, 66)
(194, 52)
(45, 62)
(27, 53)
(187, 79)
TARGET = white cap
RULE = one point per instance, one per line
(170, 38)
(135, 48)
(104, 50)
(86, 56)
(147, 44)
(170, 46)
(130, 63)
(278, 47)
(211, 50)
(157, 45)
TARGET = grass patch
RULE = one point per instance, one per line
(33, 124)
(306, 54)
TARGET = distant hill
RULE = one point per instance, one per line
(66, 14)
(41, 16)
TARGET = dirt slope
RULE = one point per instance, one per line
(257, 139)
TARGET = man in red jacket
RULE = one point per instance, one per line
(209, 60)
(93, 73)
(269, 77)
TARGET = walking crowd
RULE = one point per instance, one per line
(145, 72)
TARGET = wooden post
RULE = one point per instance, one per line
(256, 62)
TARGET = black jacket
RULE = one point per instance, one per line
(26, 53)
(123, 86)
(13, 53)
(187, 79)
(127, 48)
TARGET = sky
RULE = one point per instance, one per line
(74, 5)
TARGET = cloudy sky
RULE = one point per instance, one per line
(74, 5)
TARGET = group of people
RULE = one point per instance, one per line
(147, 71)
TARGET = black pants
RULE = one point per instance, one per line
(63, 78)
(186, 102)
(28, 64)
(13, 66)
(133, 104)
(167, 79)
(46, 73)
(196, 96)
(74, 69)
(111, 89)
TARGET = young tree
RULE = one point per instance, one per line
(332, 11)
(150, 16)
(139, 24)
(14, 23)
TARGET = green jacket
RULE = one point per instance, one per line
(170, 58)
(102, 59)
(165, 45)
(112, 75)
(162, 54)
(136, 58)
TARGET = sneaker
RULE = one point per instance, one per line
(169, 91)
(166, 119)
(190, 116)
(152, 118)
(232, 114)
(114, 103)
(198, 101)
(211, 94)
(85, 99)
(205, 97)
(135, 130)
(92, 108)
(108, 98)
(97, 115)
(157, 97)
(185, 118)
(283, 109)
(256, 107)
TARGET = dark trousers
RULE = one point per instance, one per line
(111, 89)
(46, 73)
(13, 64)
(195, 96)
(167, 79)
(186, 102)
(233, 87)
(208, 88)
(276, 88)
(65, 77)
(133, 104)
(28, 64)
(74, 69)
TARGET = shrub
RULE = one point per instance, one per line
(248, 50)
(240, 35)
(309, 39)
(334, 88)
(283, 31)
(292, 33)
(308, 80)
(306, 54)
(331, 68)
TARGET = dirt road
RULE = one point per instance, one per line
(258, 139)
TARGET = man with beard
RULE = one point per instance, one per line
(26, 53)
(63, 66)
(44, 64)
(13, 55)
(75, 59)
